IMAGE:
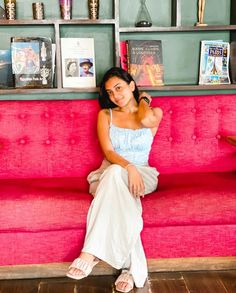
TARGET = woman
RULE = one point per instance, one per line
(126, 127)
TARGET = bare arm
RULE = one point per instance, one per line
(149, 117)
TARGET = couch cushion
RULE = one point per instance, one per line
(43, 204)
(181, 200)
(192, 199)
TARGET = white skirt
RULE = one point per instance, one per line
(115, 221)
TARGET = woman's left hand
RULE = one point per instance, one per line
(136, 184)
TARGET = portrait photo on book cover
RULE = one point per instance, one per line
(71, 67)
(86, 67)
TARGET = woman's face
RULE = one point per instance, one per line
(119, 91)
(73, 67)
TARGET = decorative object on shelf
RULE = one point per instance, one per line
(2, 13)
(10, 9)
(143, 17)
(78, 62)
(93, 7)
(214, 62)
(66, 9)
(38, 10)
(201, 11)
(145, 62)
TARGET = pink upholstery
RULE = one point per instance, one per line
(47, 148)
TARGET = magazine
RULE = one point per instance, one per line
(214, 62)
(78, 62)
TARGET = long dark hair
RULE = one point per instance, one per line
(104, 100)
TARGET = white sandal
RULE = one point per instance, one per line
(84, 266)
(125, 277)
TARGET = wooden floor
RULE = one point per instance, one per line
(174, 282)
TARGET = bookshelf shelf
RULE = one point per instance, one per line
(112, 20)
(178, 29)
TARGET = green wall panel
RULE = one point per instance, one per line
(159, 10)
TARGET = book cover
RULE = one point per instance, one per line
(78, 62)
(123, 55)
(6, 78)
(232, 61)
(145, 62)
(214, 62)
(32, 62)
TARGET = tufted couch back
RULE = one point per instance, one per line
(191, 137)
(58, 138)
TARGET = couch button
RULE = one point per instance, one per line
(72, 115)
(170, 138)
(22, 141)
(218, 110)
(194, 137)
(48, 141)
(194, 110)
(46, 115)
(218, 136)
(170, 112)
(72, 141)
(22, 116)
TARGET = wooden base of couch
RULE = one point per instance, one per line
(154, 265)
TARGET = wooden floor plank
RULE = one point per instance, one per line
(199, 282)
(228, 279)
(167, 283)
(159, 282)
(19, 286)
(93, 284)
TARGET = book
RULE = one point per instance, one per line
(145, 62)
(232, 61)
(6, 78)
(32, 62)
(2, 13)
(78, 62)
(123, 55)
(214, 62)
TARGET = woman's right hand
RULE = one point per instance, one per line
(136, 184)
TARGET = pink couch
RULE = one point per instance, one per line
(47, 148)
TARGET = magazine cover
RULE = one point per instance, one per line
(145, 62)
(6, 78)
(214, 62)
(78, 62)
(32, 62)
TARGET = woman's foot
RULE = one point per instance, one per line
(124, 282)
(82, 266)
